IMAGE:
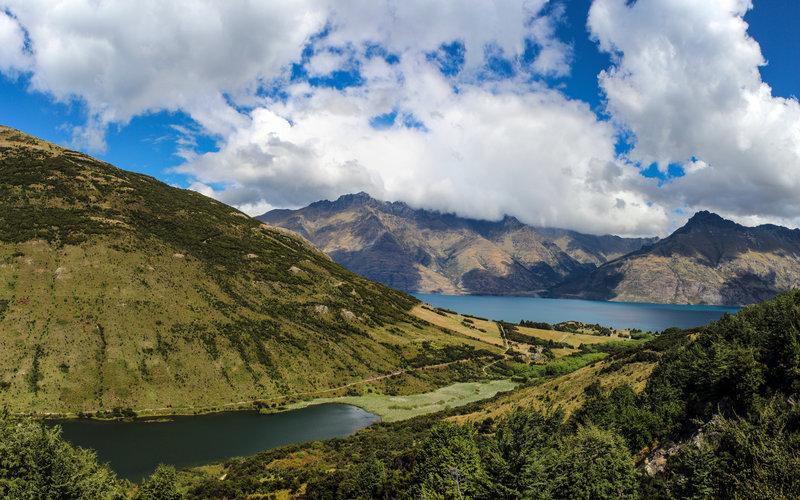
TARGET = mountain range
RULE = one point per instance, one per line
(710, 260)
(117, 290)
(429, 252)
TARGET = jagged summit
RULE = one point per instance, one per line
(705, 220)
(706, 217)
(346, 200)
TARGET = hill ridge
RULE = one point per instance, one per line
(709, 260)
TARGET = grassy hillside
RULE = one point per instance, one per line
(709, 412)
(117, 290)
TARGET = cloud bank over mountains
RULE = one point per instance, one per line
(449, 105)
(687, 85)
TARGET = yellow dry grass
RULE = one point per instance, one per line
(573, 339)
(566, 391)
(455, 322)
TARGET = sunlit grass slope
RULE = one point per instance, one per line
(117, 290)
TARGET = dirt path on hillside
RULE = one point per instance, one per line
(505, 351)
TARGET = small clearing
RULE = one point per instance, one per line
(393, 408)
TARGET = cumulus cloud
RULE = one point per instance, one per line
(686, 83)
(450, 105)
(482, 153)
(126, 58)
(453, 142)
(453, 136)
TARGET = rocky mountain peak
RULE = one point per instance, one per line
(705, 220)
(348, 200)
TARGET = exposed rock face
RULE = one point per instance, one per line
(426, 251)
(710, 260)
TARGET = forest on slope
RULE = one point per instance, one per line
(717, 418)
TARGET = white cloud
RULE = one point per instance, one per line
(554, 55)
(483, 153)
(687, 84)
(326, 62)
(405, 26)
(481, 148)
(126, 57)
(13, 58)
(129, 57)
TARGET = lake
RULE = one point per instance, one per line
(648, 317)
(134, 449)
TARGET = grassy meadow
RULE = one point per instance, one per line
(394, 408)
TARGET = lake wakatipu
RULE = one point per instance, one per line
(620, 315)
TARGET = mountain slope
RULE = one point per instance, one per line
(710, 260)
(424, 251)
(117, 290)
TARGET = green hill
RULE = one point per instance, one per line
(117, 290)
(709, 412)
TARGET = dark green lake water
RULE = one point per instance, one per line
(649, 317)
(134, 449)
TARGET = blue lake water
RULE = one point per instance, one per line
(134, 449)
(648, 317)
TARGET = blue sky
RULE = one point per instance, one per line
(601, 116)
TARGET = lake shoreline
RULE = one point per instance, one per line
(156, 416)
(393, 408)
(539, 295)
(616, 315)
(134, 449)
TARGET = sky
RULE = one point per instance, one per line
(603, 116)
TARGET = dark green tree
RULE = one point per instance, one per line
(35, 463)
(757, 456)
(518, 439)
(590, 464)
(448, 465)
(161, 485)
